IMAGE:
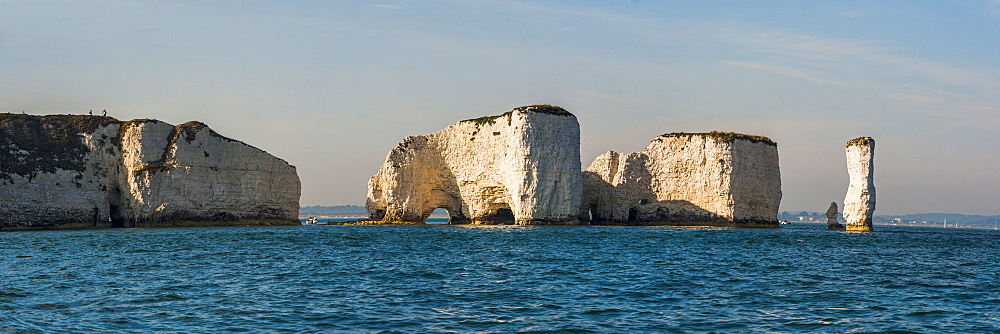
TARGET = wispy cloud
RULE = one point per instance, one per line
(800, 45)
(596, 94)
(915, 98)
(942, 73)
(783, 70)
(850, 58)
(587, 13)
(881, 69)
(958, 92)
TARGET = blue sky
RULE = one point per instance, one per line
(331, 86)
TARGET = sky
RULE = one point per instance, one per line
(331, 86)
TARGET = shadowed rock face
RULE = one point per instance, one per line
(831, 218)
(686, 179)
(859, 203)
(69, 171)
(520, 167)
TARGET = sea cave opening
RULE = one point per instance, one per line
(633, 215)
(117, 220)
(116, 213)
(502, 215)
(505, 213)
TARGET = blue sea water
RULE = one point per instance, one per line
(581, 279)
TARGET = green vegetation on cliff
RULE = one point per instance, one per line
(539, 108)
(31, 144)
(859, 141)
(545, 109)
(34, 144)
(189, 130)
(727, 137)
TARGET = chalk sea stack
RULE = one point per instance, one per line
(859, 204)
(831, 218)
(72, 171)
(717, 178)
(521, 167)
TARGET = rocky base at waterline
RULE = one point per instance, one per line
(72, 171)
(708, 179)
(520, 167)
(167, 223)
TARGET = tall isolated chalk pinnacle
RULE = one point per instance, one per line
(859, 204)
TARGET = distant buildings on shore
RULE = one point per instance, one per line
(921, 219)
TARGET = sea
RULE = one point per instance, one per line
(440, 278)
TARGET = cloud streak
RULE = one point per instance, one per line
(915, 98)
(856, 57)
(584, 13)
(597, 94)
(804, 56)
(794, 44)
(878, 69)
(783, 70)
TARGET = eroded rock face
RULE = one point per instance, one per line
(859, 204)
(521, 167)
(831, 218)
(686, 179)
(69, 171)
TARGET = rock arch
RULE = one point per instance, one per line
(526, 161)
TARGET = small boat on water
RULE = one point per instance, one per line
(310, 221)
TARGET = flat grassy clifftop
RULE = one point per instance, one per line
(32, 144)
(725, 136)
(539, 108)
(859, 141)
(545, 109)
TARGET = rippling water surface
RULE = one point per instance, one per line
(500, 279)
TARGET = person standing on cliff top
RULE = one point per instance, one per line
(105, 112)
(91, 112)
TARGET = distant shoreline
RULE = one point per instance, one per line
(352, 216)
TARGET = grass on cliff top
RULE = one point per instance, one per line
(80, 123)
(539, 108)
(190, 128)
(727, 137)
(545, 109)
(859, 141)
(33, 144)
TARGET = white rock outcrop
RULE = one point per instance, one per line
(69, 171)
(859, 204)
(717, 178)
(520, 167)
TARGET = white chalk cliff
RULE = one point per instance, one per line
(520, 167)
(859, 204)
(69, 171)
(717, 178)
